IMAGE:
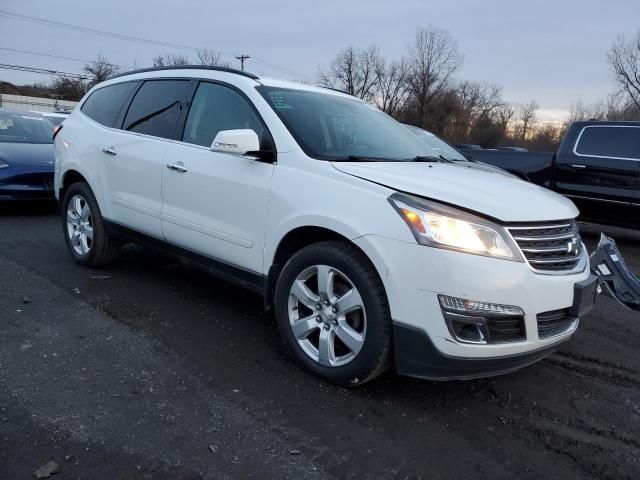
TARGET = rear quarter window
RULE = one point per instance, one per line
(104, 104)
(610, 141)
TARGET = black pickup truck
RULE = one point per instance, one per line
(597, 166)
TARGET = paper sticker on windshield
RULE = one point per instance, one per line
(278, 101)
(5, 123)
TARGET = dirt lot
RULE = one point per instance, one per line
(150, 369)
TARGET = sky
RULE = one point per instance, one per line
(553, 52)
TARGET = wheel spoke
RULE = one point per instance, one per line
(304, 327)
(84, 244)
(72, 217)
(85, 212)
(325, 281)
(305, 296)
(349, 301)
(75, 239)
(326, 354)
(347, 335)
(89, 232)
(77, 206)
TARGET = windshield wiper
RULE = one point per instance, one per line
(367, 158)
(427, 158)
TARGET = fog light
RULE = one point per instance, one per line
(471, 321)
(476, 307)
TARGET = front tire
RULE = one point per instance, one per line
(332, 313)
(84, 230)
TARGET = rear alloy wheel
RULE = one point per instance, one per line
(84, 230)
(332, 313)
(79, 225)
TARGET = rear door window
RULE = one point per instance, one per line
(156, 108)
(610, 141)
(215, 108)
(104, 104)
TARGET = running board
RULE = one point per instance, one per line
(614, 274)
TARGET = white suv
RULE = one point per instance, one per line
(372, 248)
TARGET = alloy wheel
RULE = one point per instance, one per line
(79, 225)
(327, 315)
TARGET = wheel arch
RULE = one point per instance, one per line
(293, 241)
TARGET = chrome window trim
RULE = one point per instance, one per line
(575, 146)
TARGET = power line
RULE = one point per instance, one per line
(130, 38)
(23, 68)
(42, 54)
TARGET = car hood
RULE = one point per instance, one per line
(487, 192)
(27, 154)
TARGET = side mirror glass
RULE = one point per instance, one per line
(238, 142)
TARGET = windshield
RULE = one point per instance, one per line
(437, 144)
(24, 128)
(55, 120)
(333, 127)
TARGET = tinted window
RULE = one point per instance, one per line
(215, 108)
(156, 107)
(621, 142)
(104, 104)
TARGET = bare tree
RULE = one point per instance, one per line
(391, 85)
(624, 58)
(67, 88)
(210, 58)
(170, 60)
(353, 71)
(434, 59)
(526, 120)
(100, 70)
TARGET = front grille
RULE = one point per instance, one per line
(554, 322)
(551, 246)
(506, 329)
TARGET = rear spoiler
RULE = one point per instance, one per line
(614, 275)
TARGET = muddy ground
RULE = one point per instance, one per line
(151, 369)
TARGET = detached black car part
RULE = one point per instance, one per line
(613, 272)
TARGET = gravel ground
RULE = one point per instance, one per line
(150, 369)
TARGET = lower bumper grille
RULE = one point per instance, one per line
(506, 329)
(554, 322)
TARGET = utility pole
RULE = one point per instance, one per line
(242, 58)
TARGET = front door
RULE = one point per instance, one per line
(216, 203)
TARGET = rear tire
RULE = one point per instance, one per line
(84, 230)
(332, 313)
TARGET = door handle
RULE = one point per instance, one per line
(109, 151)
(577, 165)
(177, 167)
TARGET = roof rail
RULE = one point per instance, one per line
(189, 67)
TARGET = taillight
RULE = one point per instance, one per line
(56, 130)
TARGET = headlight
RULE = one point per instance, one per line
(441, 226)
(4, 164)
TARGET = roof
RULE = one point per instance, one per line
(189, 67)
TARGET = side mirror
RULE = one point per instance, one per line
(238, 142)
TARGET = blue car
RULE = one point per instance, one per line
(26, 156)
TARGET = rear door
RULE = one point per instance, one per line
(133, 155)
(601, 173)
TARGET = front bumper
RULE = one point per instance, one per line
(22, 184)
(414, 275)
(416, 356)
